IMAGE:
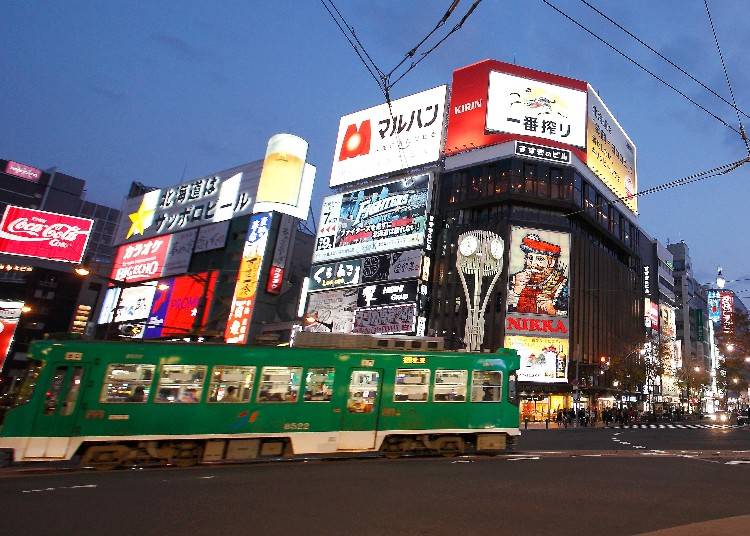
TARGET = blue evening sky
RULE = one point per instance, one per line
(115, 91)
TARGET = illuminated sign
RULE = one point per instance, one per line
(15, 268)
(191, 204)
(286, 182)
(375, 219)
(332, 311)
(22, 171)
(538, 325)
(142, 260)
(284, 235)
(10, 312)
(385, 139)
(386, 320)
(275, 280)
(647, 312)
(245, 290)
(212, 236)
(80, 319)
(176, 307)
(517, 105)
(372, 269)
(388, 294)
(647, 280)
(726, 305)
(543, 359)
(714, 306)
(540, 152)
(44, 235)
(611, 154)
(654, 316)
(494, 102)
(335, 275)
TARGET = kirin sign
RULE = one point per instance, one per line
(44, 235)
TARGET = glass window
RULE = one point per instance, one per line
(279, 384)
(231, 384)
(53, 393)
(450, 386)
(319, 385)
(26, 390)
(181, 383)
(486, 386)
(127, 383)
(363, 391)
(74, 387)
(411, 385)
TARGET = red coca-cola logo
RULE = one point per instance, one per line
(38, 230)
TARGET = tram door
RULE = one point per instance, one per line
(359, 419)
(56, 417)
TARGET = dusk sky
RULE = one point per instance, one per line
(159, 91)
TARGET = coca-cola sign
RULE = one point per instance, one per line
(22, 171)
(44, 235)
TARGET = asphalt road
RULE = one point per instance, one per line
(561, 488)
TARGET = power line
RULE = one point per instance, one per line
(673, 64)
(679, 92)
(726, 76)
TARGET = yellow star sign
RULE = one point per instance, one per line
(140, 220)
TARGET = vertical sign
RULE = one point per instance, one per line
(284, 238)
(726, 305)
(10, 312)
(243, 301)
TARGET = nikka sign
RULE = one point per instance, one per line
(44, 235)
(536, 325)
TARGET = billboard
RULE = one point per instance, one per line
(373, 220)
(22, 171)
(286, 181)
(175, 308)
(10, 312)
(246, 288)
(141, 260)
(714, 306)
(384, 139)
(726, 305)
(372, 269)
(386, 320)
(538, 280)
(388, 293)
(543, 359)
(191, 204)
(332, 311)
(494, 102)
(610, 153)
(528, 107)
(212, 236)
(335, 275)
(44, 235)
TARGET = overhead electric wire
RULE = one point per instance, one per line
(726, 76)
(634, 62)
(670, 62)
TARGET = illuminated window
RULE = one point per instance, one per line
(279, 384)
(127, 383)
(363, 391)
(181, 384)
(450, 386)
(231, 384)
(486, 386)
(411, 385)
(319, 385)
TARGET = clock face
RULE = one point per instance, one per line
(496, 249)
(468, 245)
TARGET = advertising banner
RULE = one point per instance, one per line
(541, 152)
(135, 303)
(180, 252)
(714, 306)
(44, 235)
(647, 312)
(386, 320)
(538, 281)
(286, 181)
(10, 312)
(388, 294)
(726, 303)
(190, 204)
(494, 102)
(275, 280)
(335, 275)
(246, 288)
(543, 359)
(517, 105)
(536, 325)
(381, 140)
(373, 220)
(654, 316)
(22, 171)
(142, 260)
(212, 236)
(175, 309)
(332, 311)
(610, 153)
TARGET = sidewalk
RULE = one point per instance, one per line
(553, 426)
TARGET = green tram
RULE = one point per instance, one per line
(113, 403)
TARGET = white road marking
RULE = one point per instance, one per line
(737, 462)
(61, 487)
(523, 458)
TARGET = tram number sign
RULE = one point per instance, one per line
(414, 360)
(296, 426)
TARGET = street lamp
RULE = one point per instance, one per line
(720, 281)
(26, 309)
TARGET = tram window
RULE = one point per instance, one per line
(411, 385)
(486, 386)
(181, 383)
(279, 384)
(26, 391)
(127, 383)
(319, 385)
(450, 386)
(231, 384)
(53, 393)
(363, 391)
(69, 405)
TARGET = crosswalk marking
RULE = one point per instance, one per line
(678, 426)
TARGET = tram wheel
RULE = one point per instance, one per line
(450, 449)
(104, 457)
(392, 450)
(187, 454)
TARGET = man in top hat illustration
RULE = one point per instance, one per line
(541, 287)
